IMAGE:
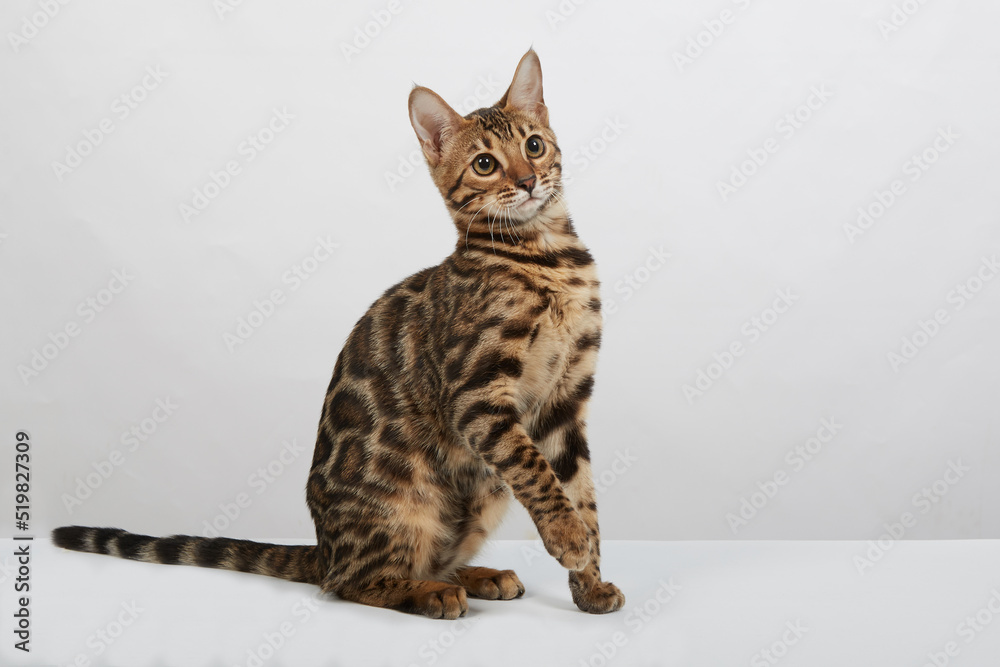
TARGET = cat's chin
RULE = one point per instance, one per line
(530, 208)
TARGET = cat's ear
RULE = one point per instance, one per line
(525, 92)
(433, 121)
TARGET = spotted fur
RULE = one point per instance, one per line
(464, 385)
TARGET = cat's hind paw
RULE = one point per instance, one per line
(490, 584)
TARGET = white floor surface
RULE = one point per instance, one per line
(688, 603)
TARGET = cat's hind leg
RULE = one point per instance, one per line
(490, 584)
(434, 599)
(485, 513)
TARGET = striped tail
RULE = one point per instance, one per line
(294, 563)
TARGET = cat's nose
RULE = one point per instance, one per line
(528, 183)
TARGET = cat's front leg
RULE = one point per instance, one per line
(570, 457)
(490, 424)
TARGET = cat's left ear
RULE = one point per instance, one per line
(525, 92)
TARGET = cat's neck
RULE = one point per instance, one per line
(550, 231)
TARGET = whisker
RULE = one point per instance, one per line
(478, 212)
(514, 231)
(500, 213)
(491, 231)
(467, 203)
(470, 220)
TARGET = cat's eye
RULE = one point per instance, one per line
(534, 146)
(484, 164)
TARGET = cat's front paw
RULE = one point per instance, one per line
(568, 541)
(602, 597)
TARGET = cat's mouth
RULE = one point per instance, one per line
(530, 206)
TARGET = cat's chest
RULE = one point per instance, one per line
(569, 313)
(560, 351)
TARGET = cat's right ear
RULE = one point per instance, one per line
(433, 121)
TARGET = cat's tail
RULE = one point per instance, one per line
(294, 563)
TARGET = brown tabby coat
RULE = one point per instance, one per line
(462, 385)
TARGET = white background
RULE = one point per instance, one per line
(662, 135)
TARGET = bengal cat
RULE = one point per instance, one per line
(464, 384)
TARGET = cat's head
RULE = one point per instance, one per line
(498, 167)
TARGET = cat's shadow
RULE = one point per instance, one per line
(552, 601)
